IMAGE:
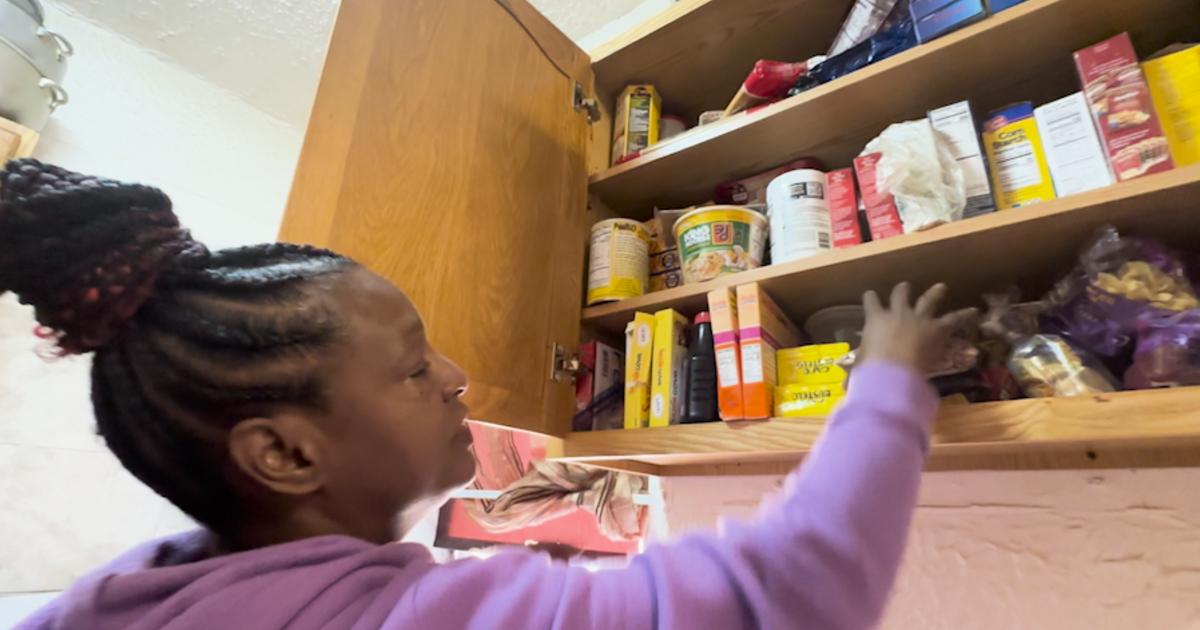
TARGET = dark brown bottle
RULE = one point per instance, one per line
(700, 405)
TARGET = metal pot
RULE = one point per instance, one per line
(32, 64)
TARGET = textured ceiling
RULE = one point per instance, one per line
(269, 52)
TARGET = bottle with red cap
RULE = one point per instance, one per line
(700, 404)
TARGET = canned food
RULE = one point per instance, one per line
(620, 261)
(720, 240)
(799, 213)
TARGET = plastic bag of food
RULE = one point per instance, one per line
(883, 45)
(1047, 366)
(865, 19)
(769, 81)
(1168, 351)
(1120, 280)
(918, 169)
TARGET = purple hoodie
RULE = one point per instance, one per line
(822, 558)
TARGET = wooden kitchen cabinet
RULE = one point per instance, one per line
(450, 150)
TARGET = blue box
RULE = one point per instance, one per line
(934, 18)
(999, 5)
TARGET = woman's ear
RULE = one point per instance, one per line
(281, 453)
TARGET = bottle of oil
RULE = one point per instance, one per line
(700, 405)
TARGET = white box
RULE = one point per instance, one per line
(955, 125)
(1074, 153)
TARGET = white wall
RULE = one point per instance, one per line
(1111, 550)
(66, 505)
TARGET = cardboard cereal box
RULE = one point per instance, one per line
(670, 358)
(843, 208)
(882, 216)
(1119, 96)
(764, 330)
(722, 306)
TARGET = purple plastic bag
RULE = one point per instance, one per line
(1168, 351)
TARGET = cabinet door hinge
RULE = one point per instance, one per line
(564, 368)
(582, 102)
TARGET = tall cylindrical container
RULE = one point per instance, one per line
(620, 261)
(799, 212)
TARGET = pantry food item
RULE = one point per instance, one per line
(639, 350)
(671, 126)
(1014, 148)
(635, 124)
(753, 190)
(1174, 77)
(955, 125)
(764, 329)
(880, 207)
(805, 401)
(700, 403)
(866, 18)
(934, 18)
(1168, 352)
(897, 36)
(722, 306)
(620, 261)
(1074, 153)
(670, 358)
(1143, 282)
(710, 117)
(837, 324)
(664, 258)
(809, 365)
(798, 212)
(919, 171)
(843, 208)
(768, 81)
(1116, 90)
(1047, 366)
(997, 6)
(598, 390)
(720, 240)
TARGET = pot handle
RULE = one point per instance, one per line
(58, 95)
(65, 49)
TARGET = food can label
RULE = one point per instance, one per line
(620, 261)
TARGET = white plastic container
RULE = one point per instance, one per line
(798, 209)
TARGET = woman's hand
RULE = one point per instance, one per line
(905, 334)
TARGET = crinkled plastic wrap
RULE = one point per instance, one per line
(918, 169)
(1168, 351)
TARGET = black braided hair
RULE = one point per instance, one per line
(187, 342)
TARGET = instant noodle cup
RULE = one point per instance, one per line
(716, 241)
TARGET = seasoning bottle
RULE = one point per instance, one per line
(701, 402)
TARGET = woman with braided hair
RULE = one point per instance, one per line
(287, 399)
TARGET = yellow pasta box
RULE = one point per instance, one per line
(802, 401)
(639, 348)
(812, 365)
(722, 306)
(1174, 77)
(670, 357)
(1014, 147)
(763, 330)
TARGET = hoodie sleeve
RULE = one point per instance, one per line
(823, 558)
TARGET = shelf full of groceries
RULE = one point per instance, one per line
(1126, 318)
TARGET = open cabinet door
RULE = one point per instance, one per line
(445, 153)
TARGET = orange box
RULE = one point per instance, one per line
(764, 329)
(722, 305)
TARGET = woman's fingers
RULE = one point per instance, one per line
(929, 302)
(871, 303)
(900, 297)
(953, 321)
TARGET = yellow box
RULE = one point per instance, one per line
(635, 125)
(1175, 85)
(811, 365)
(670, 357)
(1020, 173)
(639, 348)
(801, 401)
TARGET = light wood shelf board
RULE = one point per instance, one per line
(1127, 429)
(1036, 245)
(1024, 53)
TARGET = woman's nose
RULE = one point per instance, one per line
(457, 381)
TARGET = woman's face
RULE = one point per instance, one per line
(395, 423)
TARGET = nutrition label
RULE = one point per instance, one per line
(1017, 167)
(727, 367)
(620, 262)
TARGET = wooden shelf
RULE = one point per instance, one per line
(1024, 53)
(698, 52)
(1033, 246)
(1158, 428)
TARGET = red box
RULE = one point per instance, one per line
(843, 208)
(1116, 91)
(753, 190)
(882, 216)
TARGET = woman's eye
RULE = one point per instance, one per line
(421, 372)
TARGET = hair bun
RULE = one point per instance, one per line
(85, 252)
